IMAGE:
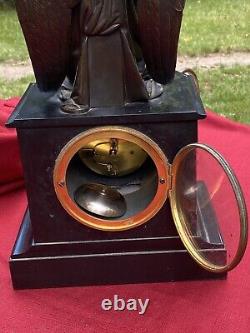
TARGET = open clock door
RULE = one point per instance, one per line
(208, 208)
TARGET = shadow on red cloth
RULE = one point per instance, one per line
(185, 307)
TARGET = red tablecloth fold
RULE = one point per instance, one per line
(185, 307)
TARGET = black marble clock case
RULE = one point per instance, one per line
(52, 249)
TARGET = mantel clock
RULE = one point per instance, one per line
(119, 189)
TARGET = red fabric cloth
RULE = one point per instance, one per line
(10, 164)
(189, 307)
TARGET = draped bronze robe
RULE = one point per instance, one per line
(107, 73)
(90, 42)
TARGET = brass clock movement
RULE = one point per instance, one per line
(119, 189)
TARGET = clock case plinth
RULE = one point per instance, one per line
(52, 249)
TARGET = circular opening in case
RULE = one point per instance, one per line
(111, 178)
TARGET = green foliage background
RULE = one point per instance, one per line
(7, 3)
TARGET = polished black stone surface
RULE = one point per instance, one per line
(179, 102)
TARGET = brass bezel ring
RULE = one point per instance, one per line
(179, 218)
(74, 145)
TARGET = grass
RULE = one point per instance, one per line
(12, 45)
(9, 88)
(211, 26)
(226, 91)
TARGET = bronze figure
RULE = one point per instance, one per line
(97, 49)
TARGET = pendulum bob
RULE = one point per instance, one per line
(101, 200)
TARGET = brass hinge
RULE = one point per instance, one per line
(170, 177)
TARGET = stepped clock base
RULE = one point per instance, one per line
(45, 265)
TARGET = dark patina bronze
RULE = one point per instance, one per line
(96, 50)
